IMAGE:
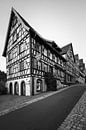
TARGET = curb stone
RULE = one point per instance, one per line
(76, 120)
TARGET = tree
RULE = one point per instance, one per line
(3, 78)
(3, 89)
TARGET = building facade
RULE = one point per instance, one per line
(68, 54)
(28, 57)
(75, 68)
(77, 71)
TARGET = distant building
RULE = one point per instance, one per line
(82, 70)
(79, 63)
(77, 71)
(75, 68)
(68, 54)
(29, 56)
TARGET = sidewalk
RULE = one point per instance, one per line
(76, 120)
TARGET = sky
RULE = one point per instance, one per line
(63, 21)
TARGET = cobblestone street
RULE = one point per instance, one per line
(76, 120)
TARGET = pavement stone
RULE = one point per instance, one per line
(76, 120)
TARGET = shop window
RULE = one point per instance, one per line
(39, 85)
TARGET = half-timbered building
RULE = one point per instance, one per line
(68, 54)
(28, 57)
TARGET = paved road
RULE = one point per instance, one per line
(46, 114)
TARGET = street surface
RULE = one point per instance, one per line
(46, 114)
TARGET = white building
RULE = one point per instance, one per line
(28, 57)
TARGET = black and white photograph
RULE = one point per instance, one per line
(43, 65)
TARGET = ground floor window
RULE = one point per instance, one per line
(39, 85)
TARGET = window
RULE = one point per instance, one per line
(58, 60)
(9, 56)
(58, 72)
(39, 65)
(62, 74)
(10, 70)
(15, 68)
(61, 62)
(17, 32)
(53, 57)
(21, 47)
(14, 21)
(14, 52)
(45, 51)
(14, 35)
(49, 53)
(45, 67)
(21, 65)
(28, 40)
(42, 66)
(42, 49)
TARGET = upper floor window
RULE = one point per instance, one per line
(21, 65)
(42, 49)
(15, 68)
(14, 21)
(37, 46)
(10, 70)
(14, 36)
(49, 53)
(9, 56)
(39, 65)
(45, 67)
(21, 47)
(45, 51)
(27, 40)
(14, 52)
(58, 60)
(53, 57)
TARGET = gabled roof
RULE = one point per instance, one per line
(66, 48)
(28, 28)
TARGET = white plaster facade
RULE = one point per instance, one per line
(19, 81)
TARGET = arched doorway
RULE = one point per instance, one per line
(10, 88)
(16, 88)
(23, 88)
